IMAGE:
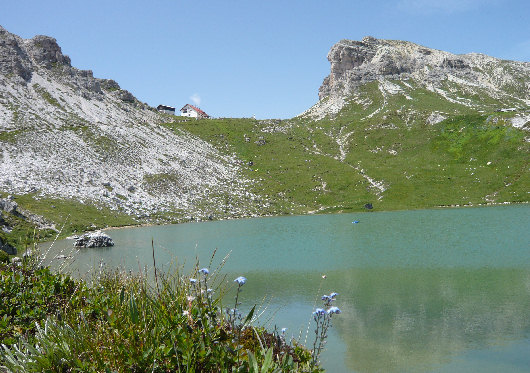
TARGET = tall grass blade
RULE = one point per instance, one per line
(133, 310)
(249, 316)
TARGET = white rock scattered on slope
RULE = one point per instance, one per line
(71, 135)
(521, 121)
(434, 118)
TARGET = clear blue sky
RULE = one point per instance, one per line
(246, 57)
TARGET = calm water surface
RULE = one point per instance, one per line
(420, 291)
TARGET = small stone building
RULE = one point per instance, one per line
(193, 112)
(166, 109)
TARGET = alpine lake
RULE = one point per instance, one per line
(443, 290)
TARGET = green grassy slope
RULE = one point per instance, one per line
(380, 151)
(69, 216)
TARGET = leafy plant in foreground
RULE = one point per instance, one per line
(122, 324)
(4, 257)
(29, 295)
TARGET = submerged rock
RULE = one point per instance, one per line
(94, 239)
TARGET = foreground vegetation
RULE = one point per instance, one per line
(127, 323)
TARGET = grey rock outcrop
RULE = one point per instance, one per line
(45, 51)
(355, 63)
(9, 205)
(94, 239)
(22, 58)
(13, 57)
(125, 96)
(109, 84)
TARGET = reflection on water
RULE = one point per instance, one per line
(405, 320)
(400, 320)
(420, 291)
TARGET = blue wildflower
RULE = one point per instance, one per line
(192, 280)
(204, 271)
(333, 295)
(355, 222)
(233, 312)
(332, 310)
(328, 298)
(284, 330)
(240, 280)
(319, 312)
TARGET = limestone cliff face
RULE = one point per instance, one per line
(65, 133)
(19, 56)
(354, 63)
(20, 59)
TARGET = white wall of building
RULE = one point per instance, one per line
(189, 113)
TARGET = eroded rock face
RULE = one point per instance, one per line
(109, 84)
(9, 205)
(45, 51)
(125, 96)
(23, 58)
(354, 63)
(13, 58)
(94, 239)
(357, 62)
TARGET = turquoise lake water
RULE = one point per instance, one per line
(420, 291)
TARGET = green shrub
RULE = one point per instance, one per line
(4, 258)
(30, 295)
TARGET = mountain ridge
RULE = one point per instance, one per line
(455, 77)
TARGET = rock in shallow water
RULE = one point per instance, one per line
(94, 239)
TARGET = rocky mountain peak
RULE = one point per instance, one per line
(452, 76)
(45, 51)
(357, 62)
(14, 59)
(21, 58)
